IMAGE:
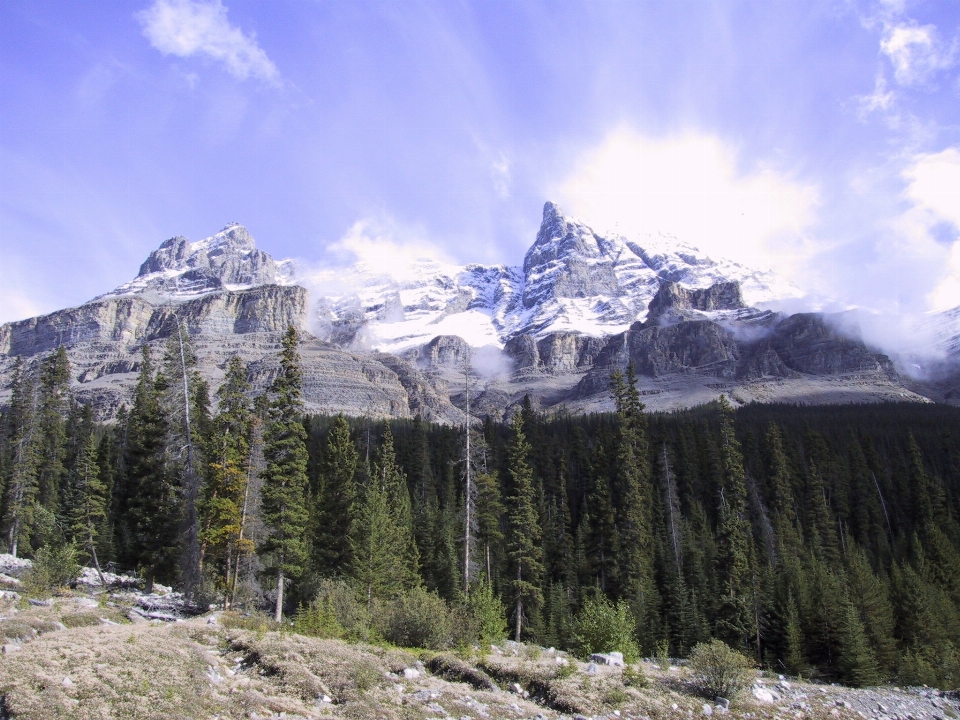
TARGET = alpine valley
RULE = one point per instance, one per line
(582, 305)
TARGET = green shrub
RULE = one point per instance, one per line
(603, 627)
(318, 620)
(53, 567)
(719, 671)
(663, 654)
(487, 616)
(347, 609)
(633, 676)
(417, 618)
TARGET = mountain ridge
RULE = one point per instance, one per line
(580, 306)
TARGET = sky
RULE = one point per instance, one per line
(818, 138)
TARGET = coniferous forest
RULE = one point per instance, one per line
(822, 541)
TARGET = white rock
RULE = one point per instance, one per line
(411, 673)
(326, 699)
(10, 648)
(67, 682)
(762, 694)
(707, 709)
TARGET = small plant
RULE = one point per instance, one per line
(602, 626)
(565, 671)
(53, 568)
(615, 697)
(663, 655)
(718, 670)
(633, 676)
(318, 620)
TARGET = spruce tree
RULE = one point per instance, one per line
(51, 425)
(385, 556)
(283, 494)
(24, 458)
(635, 549)
(184, 401)
(735, 622)
(524, 552)
(88, 498)
(336, 503)
(150, 506)
(222, 502)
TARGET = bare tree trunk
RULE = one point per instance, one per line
(278, 615)
(469, 490)
(96, 563)
(519, 623)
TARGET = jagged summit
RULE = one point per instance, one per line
(573, 279)
(228, 260)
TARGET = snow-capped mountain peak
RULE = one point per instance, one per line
(572, 279)
(228, 260)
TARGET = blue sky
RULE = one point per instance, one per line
(818, 138)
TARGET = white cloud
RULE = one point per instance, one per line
(880, 99)
(914, 52)
(189, 27)
(690, 185)
(385, 247)
(934, 189)
(500, 173)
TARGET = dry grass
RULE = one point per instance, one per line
(248, 667)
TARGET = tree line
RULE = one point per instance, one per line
(822, 541)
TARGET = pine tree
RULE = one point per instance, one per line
(335, 506)
(150, 502)
(524, 552)
(385, 556)
(490, 512)
(735, 621)
(21, 490)
(635, 550)
(87, 493)
(184, 401)
(222, 503)
(285, 476)
(51, 416)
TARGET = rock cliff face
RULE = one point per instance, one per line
(104, 339)
(710, 333)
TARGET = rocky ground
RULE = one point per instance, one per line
(95, 652)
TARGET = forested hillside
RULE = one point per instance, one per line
(823, 541)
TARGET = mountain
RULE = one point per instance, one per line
(572, 280)
(580, 306)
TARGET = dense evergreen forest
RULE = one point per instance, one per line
(822, 541)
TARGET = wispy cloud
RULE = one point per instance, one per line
(194, 27)
(915, 52)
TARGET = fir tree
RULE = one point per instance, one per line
(335, 506)
(150, 506)
(184, 401)
(635, 550)
(24, 459)
(89, 501)
(734, 617)
(524, 551)
(52, 436)
(385, 557)
(283, 494)
(222, 503)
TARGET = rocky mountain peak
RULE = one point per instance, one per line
(228, 260)
(559, 237)
(674, 303)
